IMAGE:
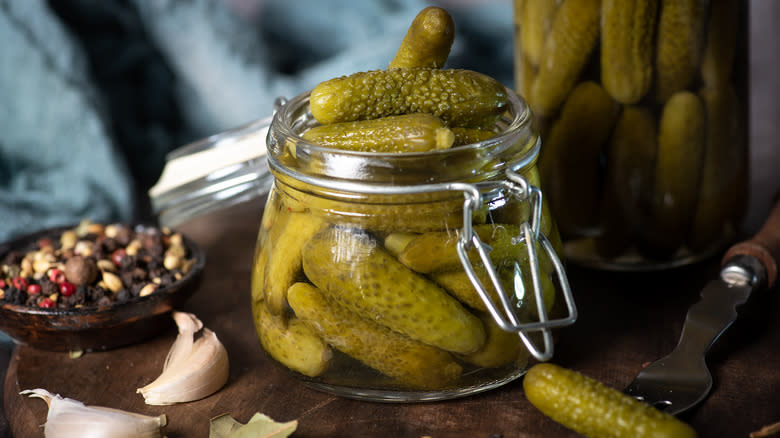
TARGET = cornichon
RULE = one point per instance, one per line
(720, 48)
(428, 41)
(627, 32)
(292, 343)
(572, 38)
(356, 271)
(595, 410)
(570, 159)
(537, 17)
(437, 250)
(677, 173)
(284, 260)
(678, 46)
(518, 287)
(410, 362)
(395, 134)
(458, 97)
(720, 186)
(501, 348)
(630, 161)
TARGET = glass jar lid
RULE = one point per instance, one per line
(213, 173)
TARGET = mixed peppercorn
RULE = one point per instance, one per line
(93, 266)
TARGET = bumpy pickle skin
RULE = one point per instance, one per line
(459, 97)
(627, 32)
(292, 343)
(720, 48)
(393, 134)
(681, 135)
(358, 273)
(719, 189)
(537, 18)
(284, 261)
(437, 250)
(592, 409)
(570, 160)
(428, 41)
(412, 363)
(679, 46)
(629, 177)
(572, 38)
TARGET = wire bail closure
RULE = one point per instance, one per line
(505, 316)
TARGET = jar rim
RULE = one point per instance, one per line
(516, 127)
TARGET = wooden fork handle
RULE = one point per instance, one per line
(764, 246)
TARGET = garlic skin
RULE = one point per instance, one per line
(68, 418)
(193, 369)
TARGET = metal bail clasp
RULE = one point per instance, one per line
(506, 316)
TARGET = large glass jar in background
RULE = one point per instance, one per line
(643, 112)
(357, 283)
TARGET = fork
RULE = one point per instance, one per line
(681, 380)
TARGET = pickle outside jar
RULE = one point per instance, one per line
(643, 112)
(363, 281)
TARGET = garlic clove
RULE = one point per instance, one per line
(71, 418)
(193, 369)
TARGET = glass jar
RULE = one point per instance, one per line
(642, 107)
(407, 277)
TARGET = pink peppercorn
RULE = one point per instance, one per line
(34, 289)
(20, 283)
(47, 303)
(56, 275)
(67, 288)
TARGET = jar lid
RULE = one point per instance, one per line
(213, 173)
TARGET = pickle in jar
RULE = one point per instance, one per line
(353, 269)
(412, 363)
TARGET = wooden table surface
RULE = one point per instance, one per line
(625, 320)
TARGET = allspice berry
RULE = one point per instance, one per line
(80, 270)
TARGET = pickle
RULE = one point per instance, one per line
(410, 362)
(292, 343)
(629, 179)
(428, 41)
(459, 97)
(284, 261)
(395, 134)
(677, 172)
(678, 46)
(570, 160)
(437, 250)
(537, 19)
(525, 74)
(571, 40)
(358, 273)
(422, 214)
(501, 348)
(721, 44)
(465, 136)
(719, 187)
(592, 409)
(627, 32)
(523, 298)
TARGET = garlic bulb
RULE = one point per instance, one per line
(72, 418)
(193, 369)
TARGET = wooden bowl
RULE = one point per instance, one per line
(94, 329)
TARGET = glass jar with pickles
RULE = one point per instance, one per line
(642, 107)
(411, 273)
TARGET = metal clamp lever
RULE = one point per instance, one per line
(506, 317)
